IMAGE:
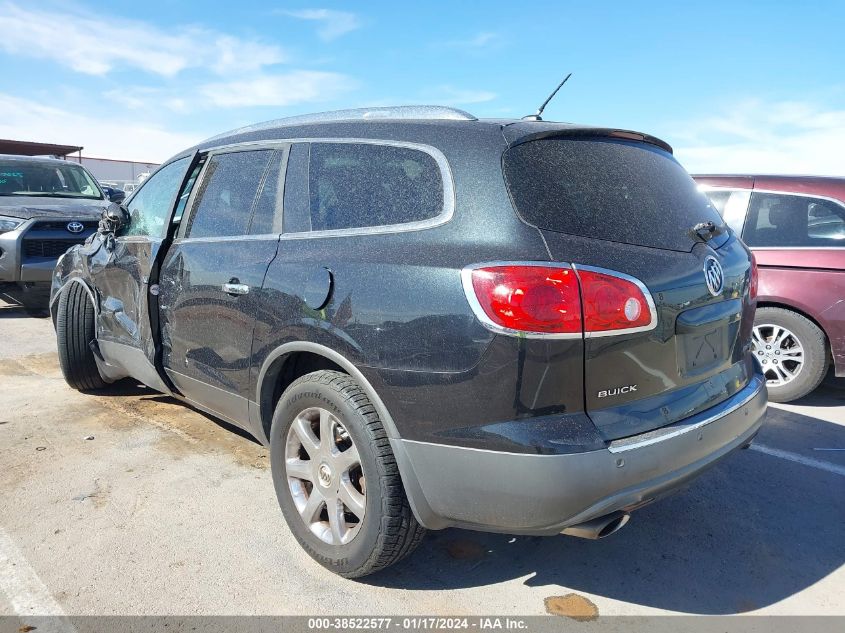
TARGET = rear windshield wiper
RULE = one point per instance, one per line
(705, 231)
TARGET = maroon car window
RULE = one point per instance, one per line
(783, 220)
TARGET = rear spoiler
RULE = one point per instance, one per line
(587, 132)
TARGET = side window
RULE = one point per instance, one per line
(731, 204)
(357, 185)
(227, 191)
(186, 192)
(790, 221)
(266, 218)
(719, 198)
(151, 204)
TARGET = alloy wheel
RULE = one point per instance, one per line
(779, 351)
(325, 477)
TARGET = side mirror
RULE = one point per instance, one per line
(114, 217)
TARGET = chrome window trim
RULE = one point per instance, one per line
(445, 215)
(652, 308)
(798, 248)
(481, 315)
(226, 238)
(801, 194)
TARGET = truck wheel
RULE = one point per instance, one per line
(336, 478)
(792, 351)
(74, 333)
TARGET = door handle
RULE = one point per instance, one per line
(234, 288)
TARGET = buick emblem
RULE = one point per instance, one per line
(714, 276)
(75, 227)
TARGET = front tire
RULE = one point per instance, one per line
(792, 351)
(74, 333)
(336, 478)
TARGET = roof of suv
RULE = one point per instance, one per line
(412, 123)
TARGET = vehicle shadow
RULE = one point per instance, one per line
(129, 387)
(9, 309)
(750, 532)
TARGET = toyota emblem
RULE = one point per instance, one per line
(714, 276)
(75, 227)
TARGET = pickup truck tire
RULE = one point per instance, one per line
(778, 334)
(311, 476)
(74, 333)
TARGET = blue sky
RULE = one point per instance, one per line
(733, 86)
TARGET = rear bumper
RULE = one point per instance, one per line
(542, 494)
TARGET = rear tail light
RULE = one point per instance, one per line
(524, 298)
(755, 278)
(612, 302)
(560, 301)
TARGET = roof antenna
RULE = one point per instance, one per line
(536, 116)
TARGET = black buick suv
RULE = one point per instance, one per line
(431, 320)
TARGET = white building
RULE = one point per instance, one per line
(116, 172)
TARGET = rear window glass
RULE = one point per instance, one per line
(357, 185)
(611, 190)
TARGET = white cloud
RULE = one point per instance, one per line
(122, 138)
(333, 24)
(284, 89)
(94, 44)
(788, 137)
(449, 95)
(477, 42)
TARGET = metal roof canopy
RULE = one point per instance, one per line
(28, 148)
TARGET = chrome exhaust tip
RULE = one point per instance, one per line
(600, 527)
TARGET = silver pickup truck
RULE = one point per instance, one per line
(46, 206)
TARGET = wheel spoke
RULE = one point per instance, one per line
(352, 499)
(313, 506)
(347, 459)
(777, 335)
(326, 429)
(337, 522)
(782, 373)
(302, 428)
(795, 353)
(300, 469)
(332, 476)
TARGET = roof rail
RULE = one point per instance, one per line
(359, 114)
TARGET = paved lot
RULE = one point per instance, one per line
(166, 511)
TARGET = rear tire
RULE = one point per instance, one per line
(74, 333)
(778, 336)
(357, 457)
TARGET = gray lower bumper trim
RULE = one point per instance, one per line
(542, 494)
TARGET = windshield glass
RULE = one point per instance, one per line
(22, 178)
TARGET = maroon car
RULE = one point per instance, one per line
(795, 225)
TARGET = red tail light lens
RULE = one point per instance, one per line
(755, 278)
(537, 299)
(557, 300)
(613, 303)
